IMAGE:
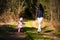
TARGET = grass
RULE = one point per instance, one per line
(8, 32)
(57, 34)
(28, 24)
(34, 35)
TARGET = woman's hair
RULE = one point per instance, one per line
(40, 6)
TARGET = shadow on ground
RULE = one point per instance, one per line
(34, 35)
(8, 32)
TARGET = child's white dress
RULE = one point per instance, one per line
(20, 24)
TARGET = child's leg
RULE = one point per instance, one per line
(21, 29)
(18, 29)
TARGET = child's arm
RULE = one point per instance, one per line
(23, 22)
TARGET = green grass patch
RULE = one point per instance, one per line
(28, 29)
(28, 24)
(57, 34)
(32, 34)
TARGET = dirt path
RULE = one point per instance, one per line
(53, 36)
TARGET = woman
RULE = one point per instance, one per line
(39, 15)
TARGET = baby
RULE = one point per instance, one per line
(20, 24)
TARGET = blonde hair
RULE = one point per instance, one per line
(21, 19)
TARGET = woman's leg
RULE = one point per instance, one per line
(39, 23)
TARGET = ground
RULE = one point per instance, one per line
(9, 32)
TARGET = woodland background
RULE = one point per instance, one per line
(11, 10)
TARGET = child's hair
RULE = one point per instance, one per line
(21, 18)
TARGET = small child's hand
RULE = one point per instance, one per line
(24, 22)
